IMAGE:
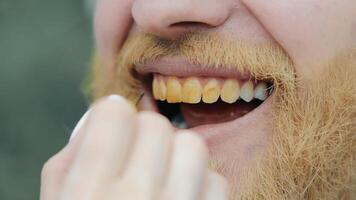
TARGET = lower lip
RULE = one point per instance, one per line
(219, 112)
(240, 132)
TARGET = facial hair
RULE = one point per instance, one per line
(312, 150)
(263, 61)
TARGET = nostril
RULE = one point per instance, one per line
(172, 19)
(190, 24)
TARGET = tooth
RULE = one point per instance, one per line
(261, 91)
(211, 91)
(178, 121)
(230, 91)
(192, 90)
(174, 90)
(162, 89)
(247, 92)
(155, 88)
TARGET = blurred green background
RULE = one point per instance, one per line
(45, 50)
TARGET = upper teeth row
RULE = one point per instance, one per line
(194, 89)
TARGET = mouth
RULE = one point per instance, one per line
(192, 96)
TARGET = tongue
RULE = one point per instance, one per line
(201, 114)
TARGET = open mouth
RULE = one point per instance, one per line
(193, 101)
(194, 96)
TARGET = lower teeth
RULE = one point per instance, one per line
(173, 113)
(179, 122)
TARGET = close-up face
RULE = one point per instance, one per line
(269, 85)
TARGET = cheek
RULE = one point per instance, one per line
(112, 23)
(309, 30)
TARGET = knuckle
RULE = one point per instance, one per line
(56, 166)
(49, 168)
(190, 138)
(192, 142)
(73, 180)
(113, 104)
(154, 118)
(154, 125)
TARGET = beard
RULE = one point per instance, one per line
(313, 149)
(312, 146)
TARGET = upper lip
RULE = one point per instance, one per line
(178, 66)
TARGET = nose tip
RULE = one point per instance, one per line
(171, 18)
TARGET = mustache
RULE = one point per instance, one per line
(266, 61)
(263, 61)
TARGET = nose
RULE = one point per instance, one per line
(171, 18)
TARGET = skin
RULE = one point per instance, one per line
(132, 158)
(310, 31)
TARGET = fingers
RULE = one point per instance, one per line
(109, 134)
(114, 146)
(216, 187)
(149, 161)
(188, 168)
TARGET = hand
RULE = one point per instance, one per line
(120, 154)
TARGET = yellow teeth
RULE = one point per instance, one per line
(155, 89)
(230, 91)
(162, 89)
(159, 89)
(194, 90)
(247, 92)
(211, 91)
(261, 91)
(174, 90)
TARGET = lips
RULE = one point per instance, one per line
(193, 90)
(192, 96)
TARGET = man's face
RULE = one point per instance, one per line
(238, 73)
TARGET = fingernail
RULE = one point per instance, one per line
(115, 97)
(79, 125)
(120, 99)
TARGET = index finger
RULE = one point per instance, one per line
(109, 133)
